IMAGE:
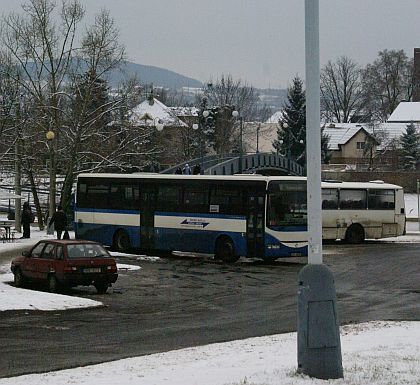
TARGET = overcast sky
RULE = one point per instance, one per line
(258, 41)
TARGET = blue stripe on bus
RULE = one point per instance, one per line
(104, 233)
(289, 228)
(281, 249)
(111, 211)
(200, 215)
(164, 238)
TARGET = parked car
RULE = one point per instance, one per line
(66, 263)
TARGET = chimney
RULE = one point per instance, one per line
(416, 77)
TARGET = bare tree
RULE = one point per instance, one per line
(387, 82)
(341, 90)
(89, 110)
(41, 42)
(221, 98)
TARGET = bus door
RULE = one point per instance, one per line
(255, 224)
(147, 216)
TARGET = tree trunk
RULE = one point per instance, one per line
(67, 187)
(39, 213)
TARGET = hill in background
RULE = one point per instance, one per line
(150, 74)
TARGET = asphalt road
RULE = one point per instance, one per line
(179, 302)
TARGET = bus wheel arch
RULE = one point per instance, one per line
(225, 249)
(121, 241)
(355, 234)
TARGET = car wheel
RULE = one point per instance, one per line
(19, 279)
(101, 288)
(121, 241)
(355, 234)
(225, 250)
(53, 285)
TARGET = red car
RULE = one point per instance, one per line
(66, 263)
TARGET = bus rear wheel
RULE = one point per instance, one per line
(355, 234)
(121, 241)
(225, 250)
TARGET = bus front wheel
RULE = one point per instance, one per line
(355, 234)
(121, 241)
(225, 250)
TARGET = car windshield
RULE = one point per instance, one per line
(86, 250)
(286, 204)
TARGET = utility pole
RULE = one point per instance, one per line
(319, 347)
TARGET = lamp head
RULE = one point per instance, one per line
(50, 135)
(235, 113)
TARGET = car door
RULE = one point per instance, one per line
(59, 262)
(45, 262)
(29, 266)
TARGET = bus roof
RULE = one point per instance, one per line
(379, 185)
(244, 177)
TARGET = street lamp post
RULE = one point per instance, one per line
(159, 128)
(258, 135)
(289, 147)
(200, 134)
(236, 115)
(319, 347)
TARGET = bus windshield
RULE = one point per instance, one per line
(286, 204)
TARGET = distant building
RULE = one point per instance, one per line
(153, 113)
(348, 142)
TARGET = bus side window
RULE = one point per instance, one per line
(353, 199)
(381, 200)
(169, 198)
(228, 198)
(97, 193)
(330, 198)
(196, 199)
(82, 194)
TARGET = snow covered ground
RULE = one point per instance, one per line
(375, 353)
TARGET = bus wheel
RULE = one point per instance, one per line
(225, 250)
(355, 234)
(121, 241)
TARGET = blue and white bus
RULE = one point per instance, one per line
(228, 216)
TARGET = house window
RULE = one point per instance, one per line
(361, 145)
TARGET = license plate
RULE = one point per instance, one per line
(295, 254)
(92, 270)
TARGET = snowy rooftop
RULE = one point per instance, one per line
(406, 112)
(341, 133)
(149, 113)
(185, 111)
(275, 117)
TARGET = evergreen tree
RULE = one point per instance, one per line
(291, 134)
(410, 148)
(292, 130)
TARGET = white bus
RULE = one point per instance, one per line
(229, 216)
(354, 211)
